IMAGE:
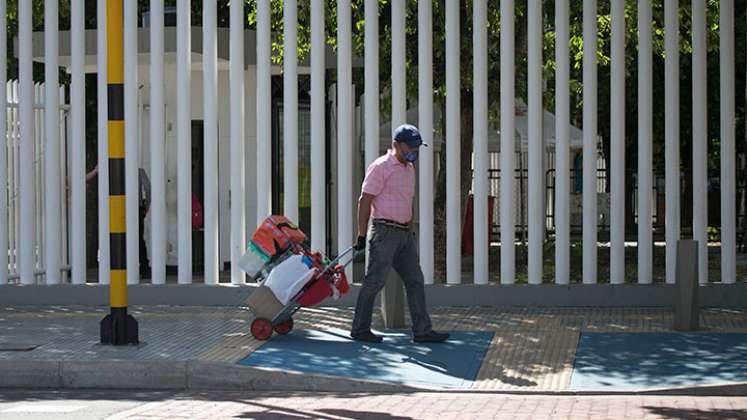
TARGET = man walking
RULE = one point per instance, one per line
(387, 197)
(143, 208)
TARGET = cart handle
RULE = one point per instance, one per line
(338, 258)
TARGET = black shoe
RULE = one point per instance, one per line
(431, 337)
(367, 336)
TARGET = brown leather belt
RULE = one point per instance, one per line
(392, 223)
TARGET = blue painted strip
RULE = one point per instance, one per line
(454, 364)
(658, 360)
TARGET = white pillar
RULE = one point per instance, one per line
(617, 148)
(562, 149)
(78, 142)
(236, 85)
(5, 140)
(103, 143)
(728, 184)
(399, 88)
(51, 157)
(645, 138)
(453, 149)
(508, 135)
(26, 104)
(480, 204)
(318, 160)
(184, 141)
(210, 100)
(344, 129)
(590, 144)
(264, 151)
(425, 124)
(290, 110)
(700, 138)
(536, 142)
(39, 178)
(672, 133)
(371, 70)
(157, 144)
(132, 155)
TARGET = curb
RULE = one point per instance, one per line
(200, 375)
(168, 375)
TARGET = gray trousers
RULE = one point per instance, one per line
(390, 247)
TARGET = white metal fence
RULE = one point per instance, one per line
(14, 164)
(34, 191)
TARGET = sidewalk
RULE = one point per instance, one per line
(532, 350)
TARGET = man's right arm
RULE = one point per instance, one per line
(364, 213)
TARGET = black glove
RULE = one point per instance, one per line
(360, 245)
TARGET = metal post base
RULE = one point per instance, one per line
(118, 328)
(393, 302)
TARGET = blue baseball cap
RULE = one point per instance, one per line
(409, 135)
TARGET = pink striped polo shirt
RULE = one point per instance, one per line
(392, 183)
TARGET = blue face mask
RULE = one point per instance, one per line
(410, 156)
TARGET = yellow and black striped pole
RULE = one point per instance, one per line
(118, 327)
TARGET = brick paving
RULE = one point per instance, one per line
(533, 348)
(436, 406)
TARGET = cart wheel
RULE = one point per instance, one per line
(284, 327)
(261, 329)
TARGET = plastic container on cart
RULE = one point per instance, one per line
(289, 277)
(252, 261)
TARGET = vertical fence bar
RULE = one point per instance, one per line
(12, 141)
(425, 123)
(290, 110)
(184, 140)
(14, 173)
(480, 203)
(52, 142)
(617, 140)
(562, 148)
(344, 128)
(4, 147)
(700, 138)
(264, 152)
(399, 93)
(672, 133)
(645, 137)
(210, 100)
(39, 178)
(453, 133)
(728, 184)
(371, 75)
(236, 86)
(536, 142)
(64, 177)
(78, 162)
(26, 105)
(132, 157)
(157, 144)
(590, 143)
(508, 212)
(318, 160)
(103, 147)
